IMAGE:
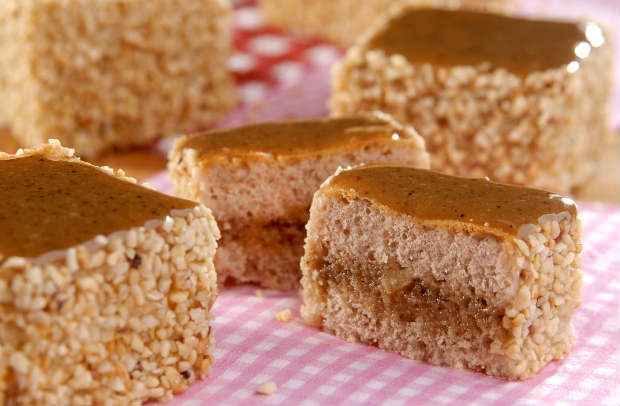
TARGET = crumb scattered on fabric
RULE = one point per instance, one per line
(284, 315)
(266, 389)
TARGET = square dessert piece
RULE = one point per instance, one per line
(105, 286)
(343, 21)
(458, 272)
(520, 101)
(105, 74)
(259, 181)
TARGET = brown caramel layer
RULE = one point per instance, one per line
(460, 38)
(50, 205)
(291, 138)
(434, 197)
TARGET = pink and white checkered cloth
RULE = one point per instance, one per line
(288, 78)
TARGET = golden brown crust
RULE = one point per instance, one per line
(49, 204)
(447, 38)
(478, 205)
(298, 139)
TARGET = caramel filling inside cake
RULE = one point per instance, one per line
(463, 38)
(436, 198)
(48, 205)
(273, 233)
(427, 314)
(267, 254)
(292, 138)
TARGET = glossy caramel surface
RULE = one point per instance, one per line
(435, 197)
(462, 38)
(50, 205)
(291, 138)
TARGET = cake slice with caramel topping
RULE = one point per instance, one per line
(259, 181)
(457, 272)
(102, 283)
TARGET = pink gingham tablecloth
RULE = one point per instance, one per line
(281, 76)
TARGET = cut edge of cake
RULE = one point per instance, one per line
(343, 21)
(192, 178)
(255, 231)
(531, 321)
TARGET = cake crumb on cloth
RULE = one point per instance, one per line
(284, 315)
(267, 389)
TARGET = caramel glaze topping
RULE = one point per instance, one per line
(460, 38)
(291, 138)
(50, 205)
(473, 204)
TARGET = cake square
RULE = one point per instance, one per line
(344, 21)
(456, 272)
(518, 100)
(105, 286)
(259, 181)
(107, 74)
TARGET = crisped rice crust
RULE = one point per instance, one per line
(112, 74)
(120, 319)
(546, 130)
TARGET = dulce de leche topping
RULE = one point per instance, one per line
(462, 38)
(48, 205)
(292, 138)
(429, 196)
